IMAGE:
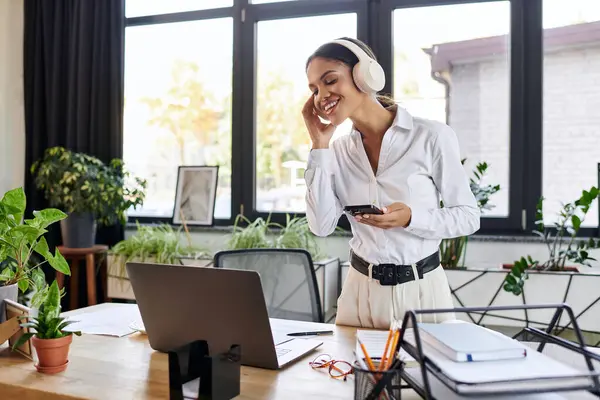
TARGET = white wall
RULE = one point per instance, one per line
(571, 123)
(12, 122)
(479, 113)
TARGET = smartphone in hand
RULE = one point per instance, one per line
(362, 209)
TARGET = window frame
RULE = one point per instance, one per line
(375, 27)
(188, 16)
(514, 222)
(271, 12)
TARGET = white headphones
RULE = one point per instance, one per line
(368, 74)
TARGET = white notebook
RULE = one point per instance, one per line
(470, 342)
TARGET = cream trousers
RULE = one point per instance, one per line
(366, 303)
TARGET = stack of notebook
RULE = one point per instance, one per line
(470, 359)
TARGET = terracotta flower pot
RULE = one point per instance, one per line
(53, 354)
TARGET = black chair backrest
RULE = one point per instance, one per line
(288, 279)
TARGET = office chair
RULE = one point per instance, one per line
(288, 279)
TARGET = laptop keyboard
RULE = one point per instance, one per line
(281, 352)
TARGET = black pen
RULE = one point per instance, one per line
(315, 333)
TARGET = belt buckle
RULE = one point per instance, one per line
(387, 275)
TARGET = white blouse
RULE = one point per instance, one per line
(419, 165)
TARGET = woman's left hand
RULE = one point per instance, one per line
(395, 215)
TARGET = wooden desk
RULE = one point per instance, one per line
(112, 368)
(103, 367)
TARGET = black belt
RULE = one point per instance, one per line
(392, 274)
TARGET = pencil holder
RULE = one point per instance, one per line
(371, 385)
(219, 374)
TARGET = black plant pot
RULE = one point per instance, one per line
(78, 230)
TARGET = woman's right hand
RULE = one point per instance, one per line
(320, 133)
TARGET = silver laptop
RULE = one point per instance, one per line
(180, 304)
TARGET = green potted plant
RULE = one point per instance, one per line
(295, 234)
(252, 236)
(560, 240)
(50, 340)
(20, 242)
(452, 251)
(88, 190)
(150, 243)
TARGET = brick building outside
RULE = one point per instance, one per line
(476, 73)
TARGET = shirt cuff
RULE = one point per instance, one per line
(320, 158)
(420, 220)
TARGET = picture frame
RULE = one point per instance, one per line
(196, 195)
(14, 312)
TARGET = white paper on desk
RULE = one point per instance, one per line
(110, 322)
(375, 341)
(441, 391)
(534, 366)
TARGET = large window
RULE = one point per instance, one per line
(282, 143)
(451, 64)
(223, 82)
(571, 145)
(178, 95)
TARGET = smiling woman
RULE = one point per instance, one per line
(396, 162)
(336, 57)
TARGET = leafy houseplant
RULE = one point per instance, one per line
(253, 236)
(49, 339)
(297, 235)
(294, 235)
(20, 241)
(88, 190)
(562, 247)
(160, 243)
(452, 251)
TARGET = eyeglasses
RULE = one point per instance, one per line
(338, 369)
